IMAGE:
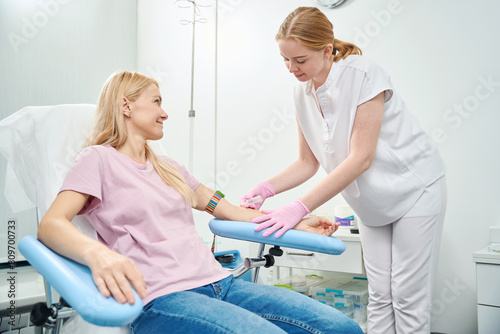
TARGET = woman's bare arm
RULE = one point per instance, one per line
(112, 273)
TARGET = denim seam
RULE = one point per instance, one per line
(290, 322)
(217, 290)
(191, 318)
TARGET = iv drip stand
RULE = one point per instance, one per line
(192, 112)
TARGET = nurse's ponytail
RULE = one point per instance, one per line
(343, 49)
(311, 28)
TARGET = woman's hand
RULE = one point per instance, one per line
(317, 225)
(114, 274)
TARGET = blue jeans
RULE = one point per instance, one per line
(237, 306)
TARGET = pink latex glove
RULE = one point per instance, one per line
(283, 219)
(263, 189)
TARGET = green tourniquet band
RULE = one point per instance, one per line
(210, 209)
(214, 201)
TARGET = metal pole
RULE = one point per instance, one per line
(261, 251)
(192, 113)
(216, 91)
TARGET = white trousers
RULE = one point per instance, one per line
(400, 261)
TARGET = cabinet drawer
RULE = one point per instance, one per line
(488, 319)
(351, 261)
(488, 289)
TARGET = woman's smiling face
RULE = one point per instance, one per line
(147, 114)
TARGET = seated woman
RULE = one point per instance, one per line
(141, 205)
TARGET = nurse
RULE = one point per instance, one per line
(353, 124)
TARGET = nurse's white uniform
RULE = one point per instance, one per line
(400, 200)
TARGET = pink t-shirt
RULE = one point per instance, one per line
(138, 215)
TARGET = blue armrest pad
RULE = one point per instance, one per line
(75, 284)
(292, 238)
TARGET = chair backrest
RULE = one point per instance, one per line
(39, 145)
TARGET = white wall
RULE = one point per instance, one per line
(442, 57)
(56, 52)
(62, 51)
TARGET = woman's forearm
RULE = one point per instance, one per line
(58, 233)
(112, 273)
(228, 211)
(65, 239)
(223, 210)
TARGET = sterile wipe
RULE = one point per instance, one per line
(256, 199)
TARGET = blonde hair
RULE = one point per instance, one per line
(311, 28)
(110, 129)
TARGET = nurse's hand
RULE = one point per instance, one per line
(282, 219)
(318, 225)
(114, 274)
(263, 189)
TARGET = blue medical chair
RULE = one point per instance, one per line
(40, 154)
(75, 284)
(231, 260)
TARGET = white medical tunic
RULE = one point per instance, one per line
(406, 160)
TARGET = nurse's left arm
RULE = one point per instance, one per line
(363, 143)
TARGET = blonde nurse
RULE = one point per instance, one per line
(355, 126)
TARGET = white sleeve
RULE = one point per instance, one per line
(375, 81)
